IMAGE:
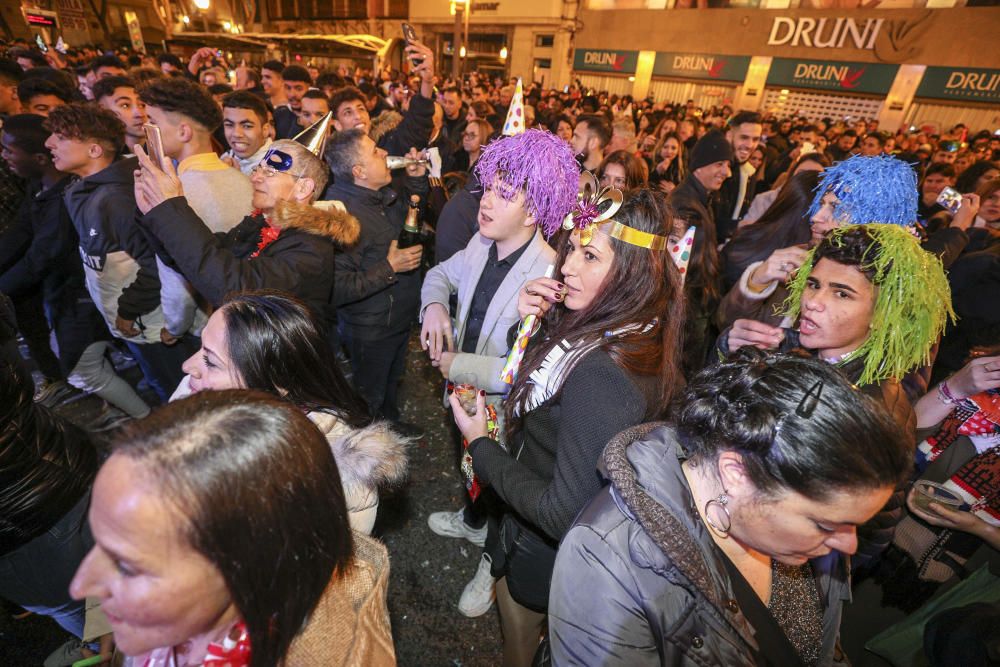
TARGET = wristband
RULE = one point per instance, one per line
(945, 395)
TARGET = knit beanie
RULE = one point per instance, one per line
(711, 148)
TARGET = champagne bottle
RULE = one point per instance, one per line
(410, 236)
(396, 162)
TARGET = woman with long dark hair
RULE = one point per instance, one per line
(222, 535)
(270, 341)
(622, 170)
(784, 224)
(763, 201)
(605, 358)
(669, 164)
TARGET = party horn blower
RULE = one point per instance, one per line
(680, 252)
(524, 332)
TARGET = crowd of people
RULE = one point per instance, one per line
(725, 386)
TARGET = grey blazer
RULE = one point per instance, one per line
(460, 274)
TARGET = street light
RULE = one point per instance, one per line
(186, 20)
(459, 8)
(503, 53)
(227, 26)
(202, 6)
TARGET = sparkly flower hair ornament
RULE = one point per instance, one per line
(538, 163)
(877, 189)
(912, 302)
(595, 210)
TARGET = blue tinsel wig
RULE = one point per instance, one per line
(538, 163)
(870, 189)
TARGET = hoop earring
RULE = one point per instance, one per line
(721, 500)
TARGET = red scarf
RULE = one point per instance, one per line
(233, 650)
(268, 235)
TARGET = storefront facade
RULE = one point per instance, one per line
(897, 65)
(533, 34)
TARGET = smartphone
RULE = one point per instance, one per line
(154, 145)
(807, 147)
(41, 43)
(410, 35)
(951, 199)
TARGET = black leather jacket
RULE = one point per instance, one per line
(46, 464)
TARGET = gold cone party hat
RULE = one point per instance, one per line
(314, 137)
(515, 113)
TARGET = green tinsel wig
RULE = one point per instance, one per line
(912, 305)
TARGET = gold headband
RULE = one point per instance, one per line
(634, 236)
(595, 209)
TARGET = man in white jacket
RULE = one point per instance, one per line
(487, 275)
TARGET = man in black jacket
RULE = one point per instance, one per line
(350, 109)
(285, 244)
(459, 220)
(47, 467)
(119, 264)
(51, 263)
(744, 132)
(710, 166)
(296, 82)
(376, 285)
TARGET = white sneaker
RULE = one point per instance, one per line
(451, 524)
(478, 595)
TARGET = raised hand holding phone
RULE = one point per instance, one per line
(154, 183)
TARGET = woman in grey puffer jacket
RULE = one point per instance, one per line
(723, 540)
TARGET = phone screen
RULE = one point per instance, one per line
(41, 44)
(951, 199)
(154, 144)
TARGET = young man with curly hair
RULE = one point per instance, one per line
(119, 264)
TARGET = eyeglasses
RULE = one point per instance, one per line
(270, 172)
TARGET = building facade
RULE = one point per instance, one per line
(904, 65)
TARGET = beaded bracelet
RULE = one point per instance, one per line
(945, 395)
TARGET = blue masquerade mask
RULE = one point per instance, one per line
(278, 160)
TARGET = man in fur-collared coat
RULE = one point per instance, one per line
(285, 244)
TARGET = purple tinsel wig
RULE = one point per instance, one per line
(541, 165)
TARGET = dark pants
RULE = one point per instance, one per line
(37, 575)
(161, 364)
(30, 311)
(378, 366)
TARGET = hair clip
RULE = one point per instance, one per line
(808, 404)
(595, 208)
(594, 205)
